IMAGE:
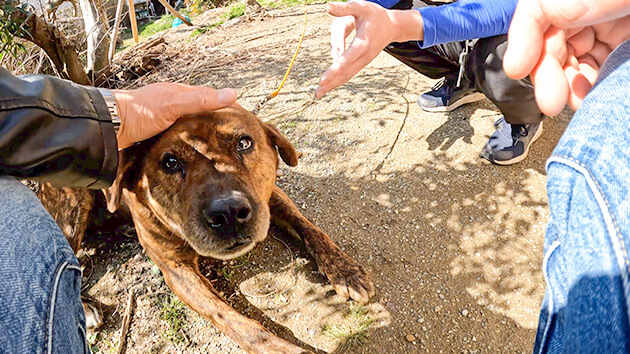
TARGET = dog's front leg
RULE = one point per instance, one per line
(348, 277)
(182, 275)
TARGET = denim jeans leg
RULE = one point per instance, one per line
(587, 258)
(40, 279)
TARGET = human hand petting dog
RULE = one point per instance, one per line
(149, 110)
(376, 27)
(563, 44)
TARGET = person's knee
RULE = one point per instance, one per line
(26, 226)
(41, 276)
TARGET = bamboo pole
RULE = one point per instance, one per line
(114, 37)
(132, 18)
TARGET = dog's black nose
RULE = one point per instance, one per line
(226, 211)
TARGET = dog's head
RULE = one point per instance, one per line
(208, 180)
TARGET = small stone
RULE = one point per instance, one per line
(410, 338)
(424, 329)
(464, 312)
(420, 320)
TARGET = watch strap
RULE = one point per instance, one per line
(112, 106)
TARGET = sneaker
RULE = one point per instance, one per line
(445, 97)
(510, 143)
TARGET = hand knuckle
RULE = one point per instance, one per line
(206, 98)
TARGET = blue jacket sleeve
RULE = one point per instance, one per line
(388, 4)
(465, 19)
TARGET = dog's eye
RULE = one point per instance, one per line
(245, 143)
(171, 164)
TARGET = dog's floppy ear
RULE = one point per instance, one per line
(285, 148)
(113, 193)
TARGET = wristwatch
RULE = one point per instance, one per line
(108, 96)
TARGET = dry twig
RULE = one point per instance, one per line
(126, 322)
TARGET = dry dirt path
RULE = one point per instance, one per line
(453, 244)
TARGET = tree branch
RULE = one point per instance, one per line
(61, 52)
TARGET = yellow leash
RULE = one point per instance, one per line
(262, 102)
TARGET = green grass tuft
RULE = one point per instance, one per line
(173, 312)
(202, 30)
(228, 270)
(163, 23)
(235, 10)
(92, 339)
(352, 334)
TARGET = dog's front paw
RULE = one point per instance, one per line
(347, 276)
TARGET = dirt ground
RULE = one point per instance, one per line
(453, 243)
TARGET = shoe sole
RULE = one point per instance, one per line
(524, 155)
(474, 97)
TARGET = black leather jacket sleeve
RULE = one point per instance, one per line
(55, 131)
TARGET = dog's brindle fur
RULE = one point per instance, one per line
(173, 185)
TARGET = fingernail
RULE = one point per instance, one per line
(319, 92)
(226, 96)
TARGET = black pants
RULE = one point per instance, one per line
(483, 71)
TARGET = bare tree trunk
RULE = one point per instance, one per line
(62, 53)
(97, 41)
(102, 13)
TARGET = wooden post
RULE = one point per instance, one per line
(114, 37)
(132, 18)
(174, 12)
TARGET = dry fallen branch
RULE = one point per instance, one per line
(126, 322)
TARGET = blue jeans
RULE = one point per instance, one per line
(587, 258)
(40, 279)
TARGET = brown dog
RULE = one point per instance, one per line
(207, 187)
